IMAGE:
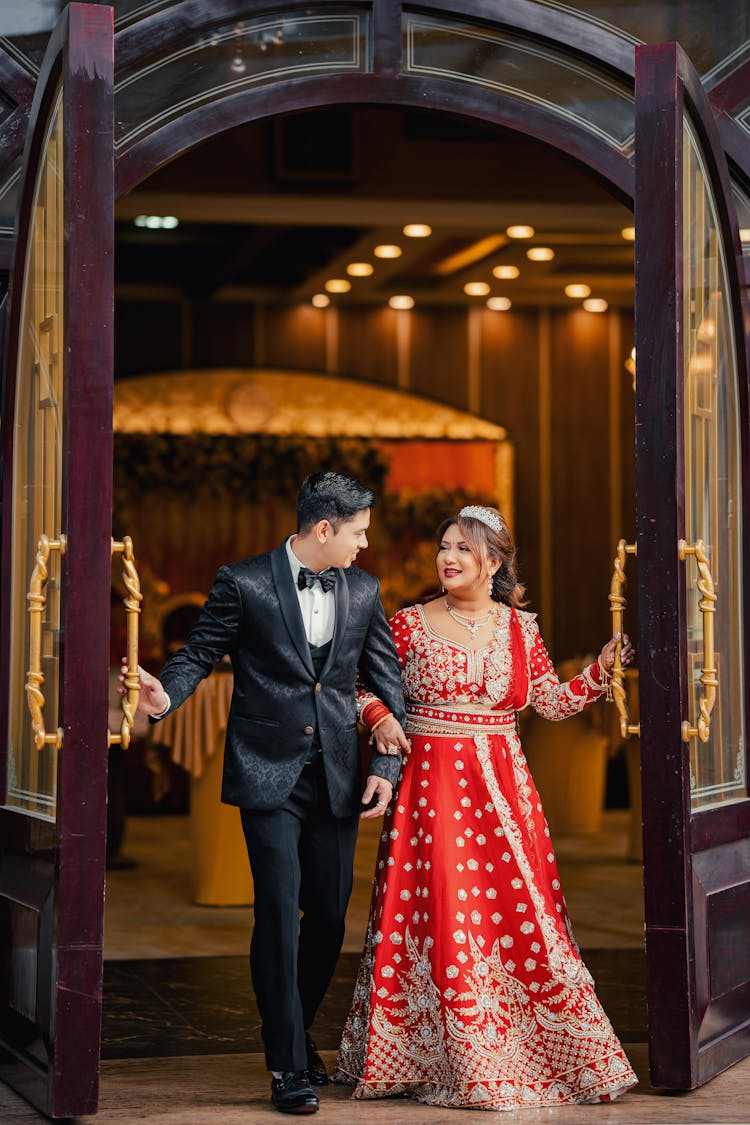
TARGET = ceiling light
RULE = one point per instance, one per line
(476, 288)
(744, 234)
(577, 290)
(506, 273)
(401, 302)
(595, 304)
(520, 231)
(498, 304)
(628, 233)
(540, 254)
(387, 250)
(321, 300)
(360, 269)
(338, 285)
(417, 230)
(157, 222)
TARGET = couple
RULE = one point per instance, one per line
(471, 991)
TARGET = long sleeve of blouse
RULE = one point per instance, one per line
(548, 696)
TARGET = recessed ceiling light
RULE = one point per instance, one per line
(577, 290)
(595, 304)
(540, 253)
(417, 230)
(402, 301)
(498, 304)
(520, 231)
(506, 273)
(476, 288)
(744, 234)
(628, 233)
(321, 300)
(387, 250)
(338, 285)
(360, 269)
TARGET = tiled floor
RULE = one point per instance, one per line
(166, 1063)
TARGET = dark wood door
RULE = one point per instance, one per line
(692, 467)
(56, 548)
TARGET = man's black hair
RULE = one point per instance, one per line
(332, 497)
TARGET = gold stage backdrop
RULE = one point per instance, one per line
(208, 463)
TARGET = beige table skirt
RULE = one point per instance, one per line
(195, 734)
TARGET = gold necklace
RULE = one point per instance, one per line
(471, 624)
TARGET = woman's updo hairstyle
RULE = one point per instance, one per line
(485, 543)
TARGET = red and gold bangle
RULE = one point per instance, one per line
(373, 714)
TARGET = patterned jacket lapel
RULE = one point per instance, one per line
(289, 604)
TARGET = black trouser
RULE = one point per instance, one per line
(301, 857)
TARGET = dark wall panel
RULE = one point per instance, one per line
(367, 344)
(439, 355)
(147, 337)
(580, 482)
(510, 396)
(292, 337)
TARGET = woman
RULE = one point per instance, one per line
(471, 990)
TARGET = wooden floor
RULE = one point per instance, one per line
(149, 915)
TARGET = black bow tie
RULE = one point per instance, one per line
(306, 578)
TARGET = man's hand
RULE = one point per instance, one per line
(382, 791)
(389, 737)
(153, 698)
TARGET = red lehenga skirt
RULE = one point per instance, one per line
(471, 990)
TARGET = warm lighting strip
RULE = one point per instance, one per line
(470, 254)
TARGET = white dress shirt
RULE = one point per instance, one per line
(318, 606)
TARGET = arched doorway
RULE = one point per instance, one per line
(460, 59)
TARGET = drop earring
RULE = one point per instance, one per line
(490, 583)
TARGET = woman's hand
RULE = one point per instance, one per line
(607, 655)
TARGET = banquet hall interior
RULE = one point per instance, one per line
(445, 310)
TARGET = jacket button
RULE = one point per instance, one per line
(318, 687)
(309, 730)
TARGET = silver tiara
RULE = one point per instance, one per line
(484, 515)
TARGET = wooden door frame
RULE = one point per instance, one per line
(71, 852)
(670, 827)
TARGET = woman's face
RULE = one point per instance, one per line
(458, 570)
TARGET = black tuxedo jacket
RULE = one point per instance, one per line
(253, 614)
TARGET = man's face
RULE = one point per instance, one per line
(342, 547)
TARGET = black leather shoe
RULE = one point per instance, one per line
(316, 1069)
(292, 1093)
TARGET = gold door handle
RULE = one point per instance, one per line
(707, 606)
(132, 602)
(37, 599)
(617, 605)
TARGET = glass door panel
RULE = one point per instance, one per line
(713, 497)
(37, 484)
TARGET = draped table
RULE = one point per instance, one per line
(195, 735)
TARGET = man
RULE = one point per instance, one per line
(297, 623)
